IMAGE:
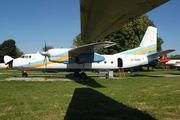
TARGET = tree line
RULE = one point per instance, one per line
(8, 47)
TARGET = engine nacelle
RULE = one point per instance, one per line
(82, 58)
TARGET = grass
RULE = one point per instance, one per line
(145, 95)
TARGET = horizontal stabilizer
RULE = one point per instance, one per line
(7, 59)
(161, 53)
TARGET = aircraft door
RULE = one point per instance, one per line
(120, 62)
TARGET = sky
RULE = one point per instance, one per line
(31, 23)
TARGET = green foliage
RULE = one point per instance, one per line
(19, 52)
(47, 48)
(159, 43)
(78, 41)
(8, 47)
(177, 56)
(129, 36)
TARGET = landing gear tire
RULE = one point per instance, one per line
(83, 75)
(24, 74)
(76, 74)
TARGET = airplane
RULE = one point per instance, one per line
(170, 62)
(84, 58)
(3, 66)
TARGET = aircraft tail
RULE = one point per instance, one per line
(148, 44)
(164, 59)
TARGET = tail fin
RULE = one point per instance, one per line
(150, 37)
(164, 59)
(148, 44)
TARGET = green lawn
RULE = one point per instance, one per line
(143, 96)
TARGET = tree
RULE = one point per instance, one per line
(78, 41)
(46, 48)
(19, 52)
(129, 36)
(8, 47)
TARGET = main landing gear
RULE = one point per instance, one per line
(81, 75)
(24, 74)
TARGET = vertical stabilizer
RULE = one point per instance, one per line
(150, 37)
(148, 44)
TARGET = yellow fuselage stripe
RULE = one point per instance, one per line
(143, 51)
(48, 62)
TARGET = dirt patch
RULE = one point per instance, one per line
(166, 75)
(36, 79)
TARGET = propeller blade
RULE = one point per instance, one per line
(45, 47)
(45, 54)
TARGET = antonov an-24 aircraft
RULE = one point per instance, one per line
(85, 58)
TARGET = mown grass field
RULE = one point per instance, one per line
(142, 96)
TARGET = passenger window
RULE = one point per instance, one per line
(105, 62)
(111, 62)
(30, 56)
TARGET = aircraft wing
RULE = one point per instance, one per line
(102, 17)
(161, 53)
(91, 48)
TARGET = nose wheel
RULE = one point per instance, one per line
(24, 74)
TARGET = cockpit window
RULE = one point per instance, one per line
(26, 56)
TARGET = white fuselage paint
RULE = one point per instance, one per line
(173, 63)
(110, 63)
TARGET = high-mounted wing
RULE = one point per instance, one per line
(91, 48)
(102, 17)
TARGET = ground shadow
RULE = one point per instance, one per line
(174, 73)
(142, 75)
(89, 81)
(89, 104)
(139, 75)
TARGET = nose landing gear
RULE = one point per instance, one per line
(24, 74)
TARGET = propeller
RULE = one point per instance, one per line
(45, 54)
